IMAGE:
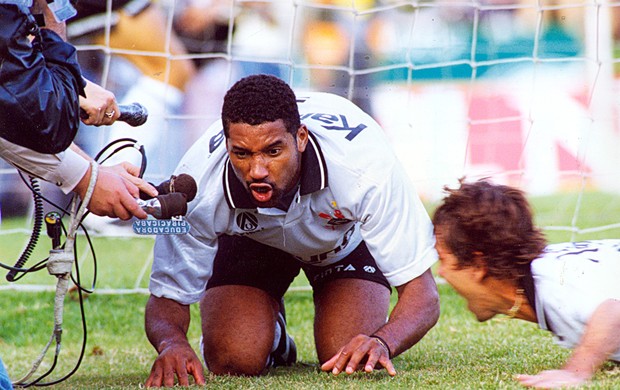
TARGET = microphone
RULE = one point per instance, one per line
(165, 206)
(134, 114)
(182, 183)
(174, 194)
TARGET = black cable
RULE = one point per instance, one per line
(143, 162)
(75, 276)
(131, 143)
(78, 282)
(82, 349)
(64, 210)
(48, 372)
(24, 271)
(56, 355)
(35, 189)
(111, 143)
(36, 382)
(36, 230)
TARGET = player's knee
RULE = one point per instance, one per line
(226, 361)
(326, 351)
(228, 365)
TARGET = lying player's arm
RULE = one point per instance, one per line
(415, 313)
(166, 323)
(600, 339)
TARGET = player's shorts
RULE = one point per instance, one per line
(243, 261)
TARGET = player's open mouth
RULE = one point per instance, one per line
(261, 192)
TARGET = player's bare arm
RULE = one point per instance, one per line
(415, 313)
(166, 323)
(600, 339)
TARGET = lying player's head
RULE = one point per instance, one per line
(486, 226)
(264, 137)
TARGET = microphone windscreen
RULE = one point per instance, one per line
(163, 188)
(185, 184)
(145, 196)
(173, 204)
(134, 114)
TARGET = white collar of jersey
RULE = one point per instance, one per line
(313, 177)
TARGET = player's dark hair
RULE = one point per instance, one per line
(494, 220)
(258, 99)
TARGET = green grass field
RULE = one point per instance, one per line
(458, 353)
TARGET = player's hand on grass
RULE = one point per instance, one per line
(552, 379)
(176, 361)
(361, 353)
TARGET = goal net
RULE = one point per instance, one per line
(523, 92)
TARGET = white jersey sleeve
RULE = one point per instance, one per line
(180, 271)
(571, 281)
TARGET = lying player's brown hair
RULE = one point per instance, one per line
(494, 220)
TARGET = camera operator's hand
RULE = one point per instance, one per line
(100, 105)
(113, 196)
(130, 173)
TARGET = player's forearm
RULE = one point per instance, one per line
(415, 313)
(600, 339)
(166, 322)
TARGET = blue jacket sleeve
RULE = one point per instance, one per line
(40, 84)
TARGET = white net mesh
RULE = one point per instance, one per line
(523, 92)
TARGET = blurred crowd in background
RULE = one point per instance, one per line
(178, 57)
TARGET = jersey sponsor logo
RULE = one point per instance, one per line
(337, 123)
(216, 141)
(247, 221)
(370, 269)
(334, 269)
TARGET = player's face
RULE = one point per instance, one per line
(266, 159)
(466, 281)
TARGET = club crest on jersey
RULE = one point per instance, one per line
(247, 221)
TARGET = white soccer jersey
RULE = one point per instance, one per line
(352, 188)
(571, 280)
